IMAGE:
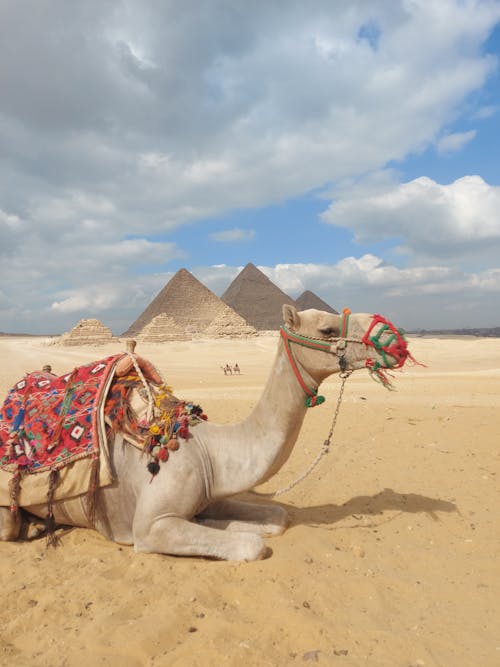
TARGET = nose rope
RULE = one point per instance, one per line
(394, 346)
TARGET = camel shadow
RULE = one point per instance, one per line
(362, 506)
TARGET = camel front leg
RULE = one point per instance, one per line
(179, 537)
(240, 516)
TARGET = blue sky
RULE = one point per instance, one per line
(346, 148)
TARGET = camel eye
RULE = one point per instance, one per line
(328, 331)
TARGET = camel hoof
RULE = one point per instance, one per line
(251, 548)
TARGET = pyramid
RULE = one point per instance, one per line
(87, 332)
(310, 300)
(186, 300)
(229, 323)
(259, 301)
(161, 329)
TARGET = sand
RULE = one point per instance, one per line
(392, 557)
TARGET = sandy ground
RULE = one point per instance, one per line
(392, 557)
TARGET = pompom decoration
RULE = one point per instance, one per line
(312, 401)
(153, 467)
(163, 454)
(172, 419)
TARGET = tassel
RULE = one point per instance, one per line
(52, 539)
(311, 401)
(14, 490)
(93, 488)
(153, 467)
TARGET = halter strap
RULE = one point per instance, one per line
(345, 322)
(290, 337)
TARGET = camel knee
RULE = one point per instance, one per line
(10, 525)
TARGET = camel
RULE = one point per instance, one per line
(188, 508)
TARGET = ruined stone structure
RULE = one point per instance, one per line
(228, 323)
(162, 328)
(87, 332)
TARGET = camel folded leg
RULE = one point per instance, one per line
(240, 516)
(179, 537)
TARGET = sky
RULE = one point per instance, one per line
(348, 148)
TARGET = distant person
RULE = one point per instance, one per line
(47, 368)
(236, 368)
(229, 370)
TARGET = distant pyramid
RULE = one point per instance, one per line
(186, 300)
(229, 323)
(310, 300)
(259, 301)
(161, 328)
(87, 332)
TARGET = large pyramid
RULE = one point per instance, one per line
(191, 305)
(310, 300)
(259, 301)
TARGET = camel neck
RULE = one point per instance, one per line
(251, 451)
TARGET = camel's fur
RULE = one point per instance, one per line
(188, 509)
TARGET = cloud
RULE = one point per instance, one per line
(94, 106)
(234, 235)
(451, 143)
(427, 219)
(120, 122)
(485, 112)
(415, 297)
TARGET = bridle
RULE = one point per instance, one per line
(395, 347)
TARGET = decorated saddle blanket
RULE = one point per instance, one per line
(47, 421)
(58, 426)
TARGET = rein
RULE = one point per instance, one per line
(325, 448)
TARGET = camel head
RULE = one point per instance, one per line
(323, 343)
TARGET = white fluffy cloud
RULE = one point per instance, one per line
(429, 220)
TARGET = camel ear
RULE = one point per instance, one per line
(291, 317)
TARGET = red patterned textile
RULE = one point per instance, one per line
(47, 422)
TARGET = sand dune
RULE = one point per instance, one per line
(392, 557)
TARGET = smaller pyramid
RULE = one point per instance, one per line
(310, 300)
(87, 332)
(259, 301)
(161, 329)
(229, 323)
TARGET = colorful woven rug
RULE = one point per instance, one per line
(48, 422)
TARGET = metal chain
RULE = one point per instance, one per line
(325, 448)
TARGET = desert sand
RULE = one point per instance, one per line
(392, 556)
